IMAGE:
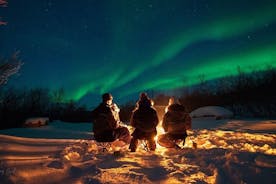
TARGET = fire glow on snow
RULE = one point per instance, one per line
(220, 156)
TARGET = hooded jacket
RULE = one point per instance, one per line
(144, 118)
(105, 118)
(176, 120)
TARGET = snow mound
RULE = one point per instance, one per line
(212, 111)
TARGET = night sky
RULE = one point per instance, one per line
(89, 47)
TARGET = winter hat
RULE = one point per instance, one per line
(143, 96)
(144, 100)
(106, 97)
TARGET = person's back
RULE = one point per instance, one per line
(103, 119)
(106, 122)
(176, 120)
(144, 119)
(175, 123)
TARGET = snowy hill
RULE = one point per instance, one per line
(227, 152)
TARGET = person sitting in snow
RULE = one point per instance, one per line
(144, 119)
(176, 122)
(106, 122)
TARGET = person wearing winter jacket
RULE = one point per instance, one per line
(106, 122)
(176, 122)
(144, 119)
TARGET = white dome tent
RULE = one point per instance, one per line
(212, 111)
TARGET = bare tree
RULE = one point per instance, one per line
(203, 88)
(3, 3)
(58, 95)
(9, 67)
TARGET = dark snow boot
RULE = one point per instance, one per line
(133, 144)
(152, 145)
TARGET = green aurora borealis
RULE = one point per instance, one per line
(126, 47)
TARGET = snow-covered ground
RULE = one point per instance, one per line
(217, 151)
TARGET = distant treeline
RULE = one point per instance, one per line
(248, 95)
(18, 105)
